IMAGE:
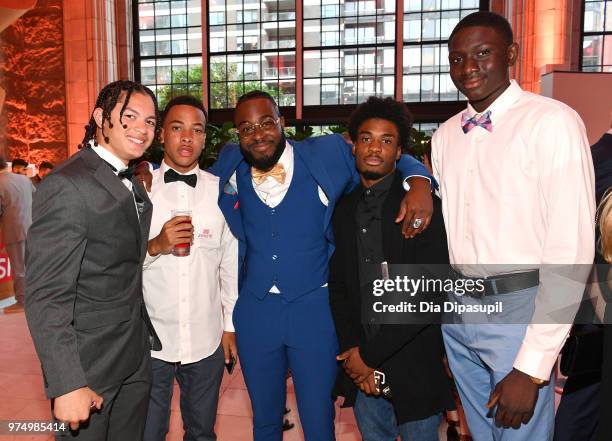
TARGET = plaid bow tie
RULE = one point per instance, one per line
(483, 121)
(277, 172)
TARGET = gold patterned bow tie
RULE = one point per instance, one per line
(277, 172)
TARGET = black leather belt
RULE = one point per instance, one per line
(503, 284)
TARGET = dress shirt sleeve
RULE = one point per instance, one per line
(149, 260)
(228, 276)
(567, 190)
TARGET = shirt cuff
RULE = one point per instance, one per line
(407, 185)
(228, 324)
(540, 349)
(149, 260)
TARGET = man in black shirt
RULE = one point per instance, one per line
(366, 235)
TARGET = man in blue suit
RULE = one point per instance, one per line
(278, 199)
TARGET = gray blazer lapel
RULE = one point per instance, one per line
(145, 212)
(105, 176)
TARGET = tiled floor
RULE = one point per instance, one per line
(22, 397)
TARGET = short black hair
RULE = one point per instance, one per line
(18, 162)
(184, 100)
(258, 94)
(107, 100)
(382, 108)
(486, 19)
(45, 164)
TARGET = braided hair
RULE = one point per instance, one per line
(107, 100)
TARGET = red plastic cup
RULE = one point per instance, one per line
(181, 249)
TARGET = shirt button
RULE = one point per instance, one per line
(274, 257)
(368, 191)
(364, 230)
(367, 259)
(272, 211)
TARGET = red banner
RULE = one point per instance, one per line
(6, 280)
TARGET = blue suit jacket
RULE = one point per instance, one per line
(328, 159)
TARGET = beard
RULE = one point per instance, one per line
(372, 175)
(265, 163)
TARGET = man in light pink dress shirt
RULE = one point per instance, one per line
(517, 188)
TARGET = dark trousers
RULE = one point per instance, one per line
(578, 413)
(123, 412)
(199, 384)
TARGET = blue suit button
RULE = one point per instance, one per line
(274, 257)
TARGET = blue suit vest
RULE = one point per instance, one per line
(286, 246)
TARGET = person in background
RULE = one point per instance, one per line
(44, 169)
(15, 219)
(577, 416)
(190, 298)
(19, 166)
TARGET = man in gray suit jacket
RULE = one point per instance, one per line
(15, 219)
(85, 250)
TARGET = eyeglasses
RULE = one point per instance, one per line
(248, 129)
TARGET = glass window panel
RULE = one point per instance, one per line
(330, 63)
(609, 16)
(179, 70)
(330, 91)
(469, 4)
(431, 26)
(428, 87)
(146, 16)
(367, 7)
(147, 74)
(412, 27)
(312, 8)
(387, 34)
(412, 59)
(312, 33)
(591, 50)
(162, 15)
(194, 44)
(312, 91)
(450, 4)
(386, 61)
(286, 92)
(194, 12)
(431, 5)
(388, 7)
(594, 17)
(365, 88)
(411, 86)
(448, 23)
(349, 90)
(234, 67)
(429, 58)
(351, 8)
(448, 91)
(412, 5)
(312, 64)
(218, 71)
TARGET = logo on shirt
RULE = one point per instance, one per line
(206, 234)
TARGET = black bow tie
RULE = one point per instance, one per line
(126, 173)
(172, 176)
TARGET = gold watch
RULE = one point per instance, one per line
(537, 381)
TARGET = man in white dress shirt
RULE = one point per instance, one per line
(516, 181)
(190, 298)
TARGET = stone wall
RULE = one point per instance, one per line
(33, 120)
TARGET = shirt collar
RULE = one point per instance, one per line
(381, 187)
(165, 167)
(502, 104)
(286, 158)
(609, 132)
(109, 157)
